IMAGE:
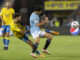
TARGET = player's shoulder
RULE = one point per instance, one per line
(12, 8)
(3, 9)
(33, 15)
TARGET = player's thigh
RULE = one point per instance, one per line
(3, 29)
(35, 36)
(47, 35)
(3, 34)
(41, 33)
(8, 30)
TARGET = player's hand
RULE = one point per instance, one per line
(46, 19)
(23, 32)
(44, 16)
(3, 22)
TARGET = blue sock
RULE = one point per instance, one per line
(38, 52)
(7, 42)
(4, 41)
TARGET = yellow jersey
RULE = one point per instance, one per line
(16, 28)
(7, 15)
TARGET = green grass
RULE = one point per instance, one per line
(62, 48)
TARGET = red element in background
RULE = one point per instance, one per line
(72, 30)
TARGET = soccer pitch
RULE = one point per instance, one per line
(62, 48)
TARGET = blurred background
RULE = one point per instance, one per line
(60, 12)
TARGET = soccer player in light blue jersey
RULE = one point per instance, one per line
(36, 32)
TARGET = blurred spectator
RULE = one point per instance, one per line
(1, 1)
(57, 23)
(23, 10)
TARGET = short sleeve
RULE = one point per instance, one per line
(13, 12)
(1, 12)
(15, 28)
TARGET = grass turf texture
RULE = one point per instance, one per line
(62, 48)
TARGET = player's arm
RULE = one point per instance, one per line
(42, 22)
(2, 20)
(13, 12)
(15, 28)
(1, 16)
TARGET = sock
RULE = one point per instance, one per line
(7, 41)
(4, 41)
(25, 39)
(47, 44)
(38, 52)
(35, 47)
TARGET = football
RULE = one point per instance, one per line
(75, 24)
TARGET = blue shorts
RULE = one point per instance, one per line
(5, 28)
(25, 39)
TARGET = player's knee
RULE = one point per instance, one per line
(3, 35)
(37, 40)
(50, 36)
(7, 34)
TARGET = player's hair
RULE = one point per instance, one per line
(16, 15)
(7, 1)
(38, 8)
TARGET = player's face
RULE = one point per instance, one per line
(8, 4)
(19, 18)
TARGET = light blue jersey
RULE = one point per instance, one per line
(34, 19)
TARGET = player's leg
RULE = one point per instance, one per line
(35, 46)
(48, 41)
(52, 32)
(36, 39)
(32, 45)
(29, 42)
(7, 35)
(4, 35)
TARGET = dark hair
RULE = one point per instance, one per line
(16, 15)
(38, 8)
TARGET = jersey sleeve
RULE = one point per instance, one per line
(1, 12)
(15, 28)
(13, 12)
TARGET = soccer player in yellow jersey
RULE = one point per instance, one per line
(20, 32)
(6, 16)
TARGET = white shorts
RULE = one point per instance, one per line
(38, 34)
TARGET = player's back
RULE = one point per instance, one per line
(16, 28)
(34, 19)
